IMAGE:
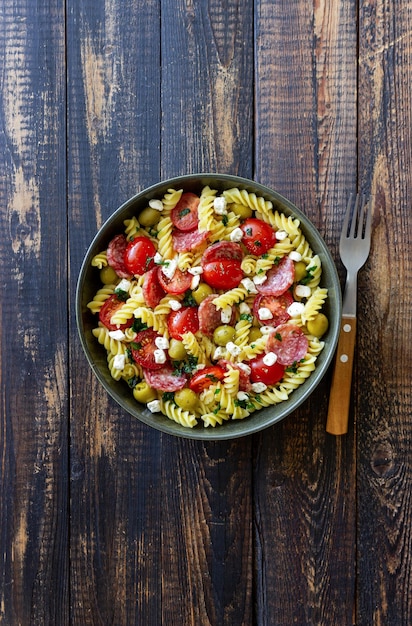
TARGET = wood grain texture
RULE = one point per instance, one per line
(306, 149)
(383, 398)
(33, 316)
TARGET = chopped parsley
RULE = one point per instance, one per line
(184, 212)
(217, 409)
(245, 404)
(247, 317)
(188, 299)
(121, 294)
(309, 275)
(185, 367)
(225, 220)
(136, 345)
(168, 396)
(132, 382)
(249, 231)
(148, 261)
(138, 325)
(257, 243)
(278, 336)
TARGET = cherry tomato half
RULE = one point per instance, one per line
(179, 283)
(206, 377)
(268, 374)
(258, 236)
(143, 348)
(184, 216)
(184, 320)
(138, 256)
(277, 305)
(223, 274)
(108, 309)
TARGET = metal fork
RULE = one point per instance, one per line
(354, 249)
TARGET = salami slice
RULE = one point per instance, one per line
(279, 278)
(209, 316)
(115, 255)
(153, 292)
(289, 343)
(164, 379)
(187, 241)
(277, 305)
(223, 250)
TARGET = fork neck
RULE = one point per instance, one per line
(349, 296)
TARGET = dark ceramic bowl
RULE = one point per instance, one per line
(89, 283)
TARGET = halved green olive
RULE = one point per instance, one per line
(318, 326)
(177, 351)
(201, 292)
(149, 217)
(223, 334)
(186, 399)
(143, 393)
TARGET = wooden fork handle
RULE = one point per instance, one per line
(340, 393)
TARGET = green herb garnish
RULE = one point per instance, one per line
(188, 299)
(121, 294)
(184, 212)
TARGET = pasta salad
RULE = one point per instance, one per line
(210, 306)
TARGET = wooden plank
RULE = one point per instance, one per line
(33, 316)
(306, 149)
(383, 392)
(114, 150)
(207, 126)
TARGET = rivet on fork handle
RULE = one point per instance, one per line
(339, 399)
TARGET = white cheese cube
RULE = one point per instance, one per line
(233, 349)
(244, 308)
(124, 285)
(236, 235)
(249, 285)
(258, 387)
(303, 291)
(219, 206)
(296, 309)
(244, 367)
(281, 235)
(241, 395)
(175, 305)
(265, 330)
(264, 313)
(117, 334)
(169, 268)
(158, 258)
(197, 269)
(226, 314)
(195, 282)
(156, 204)
(119, 361)
(154, 406)
(162, 343)
(295, 256)
(259, 279)
(159, 356)
(270, 358)
(218, 353)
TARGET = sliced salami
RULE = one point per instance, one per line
(223, 250)
(153, 292)
(209, 316)
(115, 255)
(187, 241)
(289, 343)
(277, 306)
(164, 379)
(279, 278)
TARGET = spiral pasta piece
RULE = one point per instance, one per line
(150, 318)
(231, 297)
(170, 199)
(164, 237)
(314, 304)
(205, 209)
(100, 298)
(125, 312)
(253, 349)
(100, 260)
(193, 347)
(248, 264)
(114, 346)
(177, 414)
(242, 330)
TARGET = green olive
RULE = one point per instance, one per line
(240, 210)
(254, 334)
(108, 276)
(300, 271)
(143, 393)
(201, 292)
(318, 326)
(223, 334)
(186, 399)
(177, 351)
(149, 217)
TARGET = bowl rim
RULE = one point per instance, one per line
(234, 428)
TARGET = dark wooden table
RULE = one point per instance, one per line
(104, 521)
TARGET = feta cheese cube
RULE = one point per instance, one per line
(226, 314)
(124, 285)
(296, 309)
(244, 308)
(175, 305)
(303, 291)
(270, 358)
(241, 395)
(258, 387)
(218, 353)
(264, 313)
(156, 204)
(162, 343)
(245, 368)
(281, 235)
(259, 279)
(154, 406)
(219, 205)
(265, 330)
(159, 356)
(249, 285)
(169, 268)
(117, 334)
(158, 258)
(295, 256)
(236, 234)
(119, 361)
(233, 349)
(197, 269)
(195, 282)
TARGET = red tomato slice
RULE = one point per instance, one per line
(258, 236)
(108, 309)
(224, 274)
(277, 306)
(153, 292)
(268, 374)
(229, 250)
(180, 282)
(206, 377)
(143, 348)
(139, 255)
(184, 320)
(184, 216)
